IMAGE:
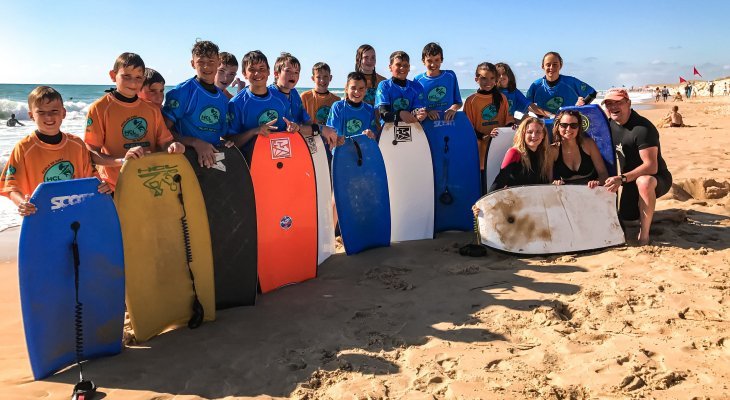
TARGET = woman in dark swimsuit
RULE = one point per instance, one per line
(578, 161)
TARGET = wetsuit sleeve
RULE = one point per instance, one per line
(387, 114)
(512, 156)
(382, 96)
(504, 116)
(14, 176)
(646, 137)
(176, 101)
(531, 92)
(584, 90)
(162, 134)
(472, 116)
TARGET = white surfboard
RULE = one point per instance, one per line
(325, 218)
(548, 219)
(498, 147)
(408, 165)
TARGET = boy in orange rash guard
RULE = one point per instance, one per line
(318, 101)
(120, 126)
(487, 109)
(46, 155)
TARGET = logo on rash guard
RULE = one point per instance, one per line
(229, 117)
(134, 128)
(89, 121)
(510, 103)
(401, 104)
(60, 171)
(173, 104)
(489, 112)
(322, 114)
(210, 115)
(436, 94)
(583, 87)
(10, 171)
(267, 116)
(353, 126)
(554, 104)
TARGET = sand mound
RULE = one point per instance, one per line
(699, 189)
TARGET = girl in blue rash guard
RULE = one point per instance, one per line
(508, 85)
(553, 91)
(398, 99)
(440, 87)
(352, 116)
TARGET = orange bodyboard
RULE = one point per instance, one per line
(286, 210)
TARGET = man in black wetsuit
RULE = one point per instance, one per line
(644, 174)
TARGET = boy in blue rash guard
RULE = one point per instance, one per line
(196, 110)
(260, 110)
(398, 99)
(508, 86)
(352, 116)
(440, 87)
(553, 91)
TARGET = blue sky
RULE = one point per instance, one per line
(603, 43)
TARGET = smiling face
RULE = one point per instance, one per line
(433, 64)
(534, 135)
(355, 90)
(551, 65)
(321, 80)
(618, 110)
(48, 116)
(288, 77)
(154, 93)
(128, 80)
(502, 79)
(368, 62)
(225, 75)
(568, 127)
(486, 79)
(400, 68)
(206, 67)
(257, 74)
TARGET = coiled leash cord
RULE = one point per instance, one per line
(198, 313)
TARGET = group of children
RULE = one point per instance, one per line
(137, 117)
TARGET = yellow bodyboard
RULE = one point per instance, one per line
(159, 291)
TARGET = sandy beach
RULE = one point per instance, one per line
(418, 321)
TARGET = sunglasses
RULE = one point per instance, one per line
(572, 125)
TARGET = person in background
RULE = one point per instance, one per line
(226, 73)
(153, 88)
(13, 121)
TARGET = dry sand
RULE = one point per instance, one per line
(417, 321)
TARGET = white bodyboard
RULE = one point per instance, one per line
(407, 158)
(548, 219)
(325, 217)
(498, 147)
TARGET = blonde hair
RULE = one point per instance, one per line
(543, 149)
(41, 95)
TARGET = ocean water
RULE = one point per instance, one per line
(77, 99)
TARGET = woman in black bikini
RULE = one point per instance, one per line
(578, 161)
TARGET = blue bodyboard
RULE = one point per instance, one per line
(455, 172)
(361, 194)
(46, 275)
(595, 124)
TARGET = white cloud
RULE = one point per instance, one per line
(520, 64)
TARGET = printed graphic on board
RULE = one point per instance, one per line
(280, 148)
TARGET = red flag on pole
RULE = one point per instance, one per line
(681, 80)
(696, 72)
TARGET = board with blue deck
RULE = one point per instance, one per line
(595, 125)
(455, 172)
(46, 275)
(361, 194)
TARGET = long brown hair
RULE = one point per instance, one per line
(358, 63)
(581, 131)
(543, 149)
